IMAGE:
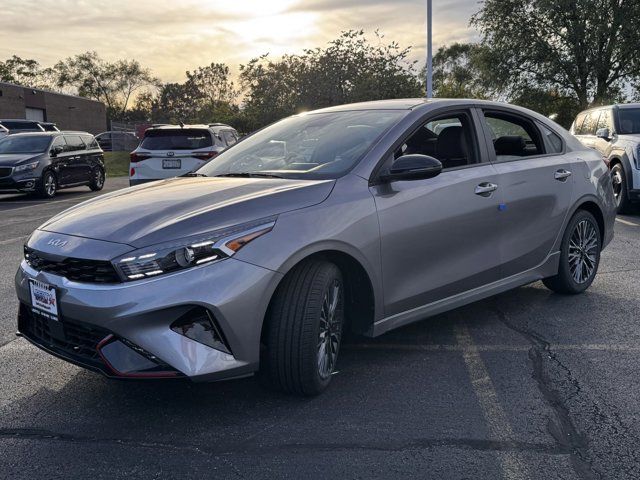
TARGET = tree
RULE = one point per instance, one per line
(582, 48)
(114, 83)
(26, 72)
(349, 69)
(463, 70)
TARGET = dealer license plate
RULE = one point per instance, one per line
(171, 163)
(44, 299)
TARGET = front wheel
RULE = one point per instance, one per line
(97, 180)
(620, 188)
(48, 185)
(579, 255)
(304, 329)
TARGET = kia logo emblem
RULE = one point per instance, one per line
(56, 242)
(170, 154)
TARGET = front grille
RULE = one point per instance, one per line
(76, 269)
(77, 341)
(5, 171)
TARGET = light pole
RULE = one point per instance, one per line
(429, 49)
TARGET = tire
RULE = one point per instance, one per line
(296, 329)
(619, 180)
(97, 179)
(579, 255)
(48, 185)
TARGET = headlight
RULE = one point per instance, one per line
(192, 252)
(26, 167)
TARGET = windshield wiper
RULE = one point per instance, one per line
(194, 174)
(250, 175)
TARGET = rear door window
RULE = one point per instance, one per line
(590, 123)
(74, 143)
(90, 141)
(605, 120)
(178, 139)
(513, 136)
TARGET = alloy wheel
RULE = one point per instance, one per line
(616, 178)
(330, 331)
(583, 251)
(50, 185)
(99, 178)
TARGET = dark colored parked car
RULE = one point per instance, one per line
(44, 162)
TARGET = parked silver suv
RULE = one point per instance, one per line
(614, 131)
(367, 216)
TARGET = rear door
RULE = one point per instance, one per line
(536, 186)
(166, 153)
(77, 164)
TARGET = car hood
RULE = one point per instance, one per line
(13, 159)
(181, 207)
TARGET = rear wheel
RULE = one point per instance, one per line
(620, 188)
(304, 329)
(579, 255)
(48, 185)
(97, 179)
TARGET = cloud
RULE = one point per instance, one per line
(171, 37)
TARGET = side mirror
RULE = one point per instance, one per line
(604, 134)
(55, 151)
(412, 167)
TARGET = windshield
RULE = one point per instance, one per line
(314, 146)
(27, 144)
(629, 120)
(178, 139)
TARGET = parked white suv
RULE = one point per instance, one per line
(614, 131)
(172, 150)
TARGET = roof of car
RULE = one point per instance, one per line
(52, 134)
(412, 103)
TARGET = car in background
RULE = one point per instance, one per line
(173, 150)
(44, 162)
(117, 141)
(614, 131)
(20, 125)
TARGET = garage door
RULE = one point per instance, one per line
(36, 114)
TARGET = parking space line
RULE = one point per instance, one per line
(12, 240)
(513, 466)
(596, 347)
(627, 222)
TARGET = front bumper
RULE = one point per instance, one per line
(11, 184)
(141, 313)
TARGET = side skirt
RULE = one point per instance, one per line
(548, 268)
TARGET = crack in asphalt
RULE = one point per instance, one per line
(392, 446)
(563, 430)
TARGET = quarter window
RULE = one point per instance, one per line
(229, 137)
(554, 142)
(579, 123)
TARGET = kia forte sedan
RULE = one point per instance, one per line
(364, 217)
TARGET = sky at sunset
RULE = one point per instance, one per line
(172, 36)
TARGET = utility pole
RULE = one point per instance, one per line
(429, 49)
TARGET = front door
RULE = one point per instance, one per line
(536, 186)
(439, 237)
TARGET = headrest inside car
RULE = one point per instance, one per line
(510, 145)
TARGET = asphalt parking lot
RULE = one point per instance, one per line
(526, 385)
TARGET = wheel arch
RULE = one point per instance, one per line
(623, 160)
(361, 300)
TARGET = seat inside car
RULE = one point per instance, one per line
(451, 147)
(510, 145)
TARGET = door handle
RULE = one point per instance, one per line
(486, 189)
(561, 175)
